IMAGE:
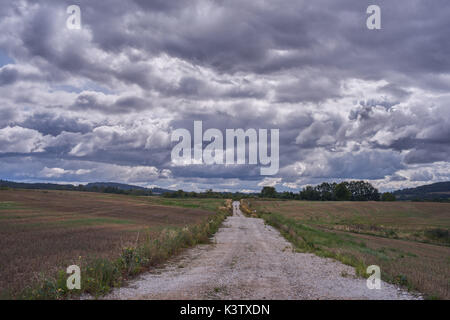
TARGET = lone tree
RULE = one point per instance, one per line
(268, 192)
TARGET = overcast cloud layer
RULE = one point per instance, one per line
(100, 103)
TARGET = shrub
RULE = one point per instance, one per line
(438, 234)
(388, 196)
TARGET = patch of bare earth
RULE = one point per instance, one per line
(250, 260)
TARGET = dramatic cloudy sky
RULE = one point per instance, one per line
(100, 103)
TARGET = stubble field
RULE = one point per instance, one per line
(42, 232)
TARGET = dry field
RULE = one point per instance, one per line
(400, 237)
(44, 231)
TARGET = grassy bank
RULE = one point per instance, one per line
(412, 264)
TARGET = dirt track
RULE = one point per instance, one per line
(250, 260)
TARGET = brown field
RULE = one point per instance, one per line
(394, 235)
(44, 231)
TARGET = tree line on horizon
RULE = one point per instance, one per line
(5, 185)
(344, 191)
(206, 194)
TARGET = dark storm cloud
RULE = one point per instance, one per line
(312, 88)
(428, 154)
(11, 74)
(233, 36)
(397, 177)
(395, 90)
(48, 123)
(7, 116)
(91, 101)
(199, 89)
(349, 102)
(159, 5)
(8, 76)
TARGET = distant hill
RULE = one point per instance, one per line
(120, 186)
(435, 191)
(94, 186)
(45, 186)
(126, 187)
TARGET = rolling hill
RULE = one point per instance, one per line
(435, 191)
(88, 187)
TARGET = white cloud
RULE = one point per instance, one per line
(21, 140)
(59, 172)
(269, 182)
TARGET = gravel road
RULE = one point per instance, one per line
(250, 260)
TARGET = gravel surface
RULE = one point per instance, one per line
(250, 260)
